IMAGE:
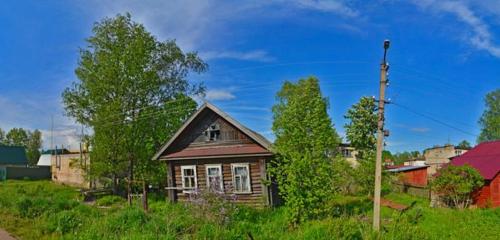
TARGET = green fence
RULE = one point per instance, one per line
(3, 174)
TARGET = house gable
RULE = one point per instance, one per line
(209, 133)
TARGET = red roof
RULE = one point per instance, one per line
(242, 149)
(485, 157)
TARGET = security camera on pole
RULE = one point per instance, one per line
(384, 67)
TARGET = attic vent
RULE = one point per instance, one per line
(213, 132)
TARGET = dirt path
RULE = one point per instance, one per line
(5, 235)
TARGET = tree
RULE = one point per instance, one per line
(33, 146)
(305, 144)
(464, 145)
(360, 132)
(455, 184)
(132, 90)
(17, 137)
(490, 120)
(2, 137)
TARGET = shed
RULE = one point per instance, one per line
(485, 158)
(412, 175)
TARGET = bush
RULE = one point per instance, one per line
(455, 185)
(64, 221)
(109, 200)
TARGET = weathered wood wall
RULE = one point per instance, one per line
(259, 194)
(194, 136)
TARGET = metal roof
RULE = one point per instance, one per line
(406, 168)
(13, 155)
(484, 157)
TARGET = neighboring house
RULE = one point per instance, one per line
(411, 175)
(14, 165)
(438, 156)
(349, 153)
(415, 162)
(212, 150)
(485, 157)
(11, 156)
(67, 167)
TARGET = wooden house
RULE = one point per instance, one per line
(485, 158)
(213, 151)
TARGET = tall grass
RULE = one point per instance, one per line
(43, 210)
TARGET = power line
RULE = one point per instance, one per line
(432, 119)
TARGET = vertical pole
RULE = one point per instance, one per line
(144, 196)
(380, 141)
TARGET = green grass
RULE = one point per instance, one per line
(43, 210)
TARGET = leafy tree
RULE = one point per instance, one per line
(360, 131)
(401, 157)
(464, 145)
(490, 120)
(455, 184)
(386, 154)
(362, 126)
(33, 146)
(305, 144)
(17, 137)
(2, 137)
(132, 90)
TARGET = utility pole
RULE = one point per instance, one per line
(384, 67)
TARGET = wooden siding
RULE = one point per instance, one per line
(194, 136)
(489, 194)
(258, 194)
(416, 177)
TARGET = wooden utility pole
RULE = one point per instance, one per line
(380, 139)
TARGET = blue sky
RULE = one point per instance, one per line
(444, 57)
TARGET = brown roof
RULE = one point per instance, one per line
(218, 151)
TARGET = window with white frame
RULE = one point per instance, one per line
(214, 177)
(347, 153)
(188, 174)
(241, 177)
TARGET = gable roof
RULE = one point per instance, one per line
(13, 155)
(485, 157)
(261, 140)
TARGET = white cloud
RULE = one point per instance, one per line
(219, 94)
(333, 6)
(255, 55)
(479, 36)
(420, 129)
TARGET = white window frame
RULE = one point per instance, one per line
(221, 175)
(246, 165)
(184, 188)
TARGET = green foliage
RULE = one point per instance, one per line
(401, 157)
(490, 120)
(344, 176)
(455, 185)
(464, 145)
(132, 90)
(305, 143)
(109, 200)
(32, 141)
(362, 125)
(348, 219)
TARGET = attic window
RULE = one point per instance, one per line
(213, 132)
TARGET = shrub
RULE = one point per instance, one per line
(64, 221)
(455, 185)
(215, 206)
(109, 200)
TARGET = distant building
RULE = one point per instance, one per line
(349, 153)
(415, 162)
(13, 156)
(438, 156)
(67, 167)
(485, 158)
